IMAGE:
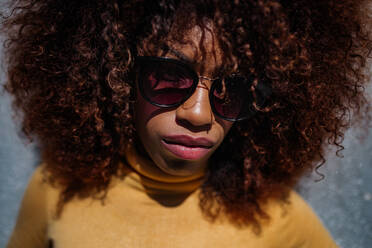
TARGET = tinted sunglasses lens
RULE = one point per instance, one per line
(165, 82)
(232, 98)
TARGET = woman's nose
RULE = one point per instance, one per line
(196, 110)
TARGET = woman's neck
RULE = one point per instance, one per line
(167, 189)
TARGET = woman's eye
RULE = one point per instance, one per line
(166, 84)
(220, 93)
(168, 77)
(159, 82)
(235, 79)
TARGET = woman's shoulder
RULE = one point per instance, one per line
(40, 186)
(36, 210)
(293, 223)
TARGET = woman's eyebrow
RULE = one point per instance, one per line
(181, 56)
(186, 59)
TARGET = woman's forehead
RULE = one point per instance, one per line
(198, 46)
(197, 42)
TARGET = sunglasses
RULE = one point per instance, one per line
(167, 83)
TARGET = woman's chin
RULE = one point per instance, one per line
(182, 168)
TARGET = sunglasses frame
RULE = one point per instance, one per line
(195, 77)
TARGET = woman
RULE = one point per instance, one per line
(181, 123)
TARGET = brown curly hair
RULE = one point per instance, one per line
(69, 70)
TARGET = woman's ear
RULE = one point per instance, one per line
(132, 82)
(133, 100)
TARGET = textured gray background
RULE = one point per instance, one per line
(343, 200)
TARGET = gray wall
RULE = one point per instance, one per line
(343, 200)
(17, 161)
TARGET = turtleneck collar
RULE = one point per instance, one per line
(145, 175)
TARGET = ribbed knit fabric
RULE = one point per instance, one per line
(150, 209)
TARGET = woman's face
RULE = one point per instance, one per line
(181, 140)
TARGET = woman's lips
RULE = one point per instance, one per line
(187, 147)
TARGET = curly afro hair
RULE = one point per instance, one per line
(69, 69)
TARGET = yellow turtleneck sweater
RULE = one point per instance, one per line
(149, 209)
